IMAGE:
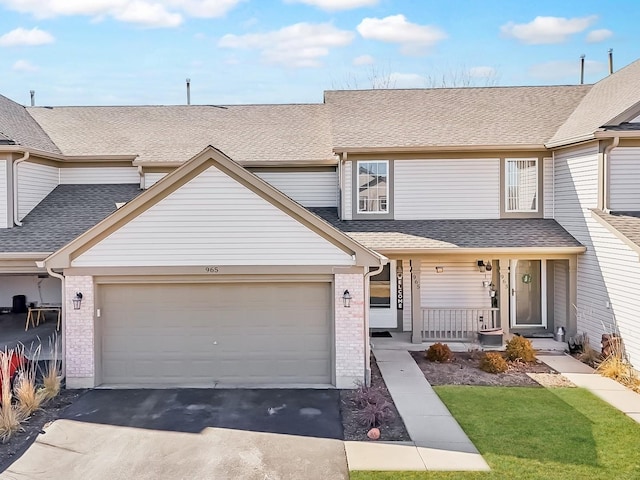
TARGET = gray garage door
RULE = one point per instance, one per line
(201, 334)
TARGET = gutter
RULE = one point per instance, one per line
(440, 148)
(63, 323)
(605, 173)
(24, 157)
(367, 341)
(479, 251)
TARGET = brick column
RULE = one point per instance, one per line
(349, 331)
(80, 333)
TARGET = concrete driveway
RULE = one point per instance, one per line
(191, 434)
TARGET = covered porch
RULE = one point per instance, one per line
(470, 297)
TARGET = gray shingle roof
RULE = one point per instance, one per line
(68, 211)
(608, 98)
(246, 133)
(626, 223)
(19, 127)
(450, 116)
(381, 235)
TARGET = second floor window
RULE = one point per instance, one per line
(373, 186)
(521, 185)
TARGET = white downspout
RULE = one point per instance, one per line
(63, 323)
(367, 343)
(605, 173)
(16, 221)
(142, 178)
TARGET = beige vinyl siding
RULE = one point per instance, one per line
(4, 195)
(548, 187)
(311, 189)
(151, 178)
(458, 286)
(99, 175)
(609, 272)
(447, 189)
(347, 213)
(624, 179)
(35, 182)
(406, 312)
(213, 220)
(560, 293)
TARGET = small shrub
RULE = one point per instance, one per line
(520, 348)
(375, 414)
(439, 352)
(589, 356)
(493, 362)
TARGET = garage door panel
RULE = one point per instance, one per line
(202, 334)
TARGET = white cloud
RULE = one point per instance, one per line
(406, 80)
(333, 5)
(299, 45)
(413, 38)
(364, 60)
(24, 66)
(147, 13)
(562, 69)
(597, 36)
(546, 30)
(22, 37)
(482, 72)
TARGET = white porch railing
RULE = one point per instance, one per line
(443, 323)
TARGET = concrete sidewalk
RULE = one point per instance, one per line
(438, 442)
(612, 392)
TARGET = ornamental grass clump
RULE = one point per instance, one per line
(28, 395)
(52, 375)
(520, 349)
(9, 415)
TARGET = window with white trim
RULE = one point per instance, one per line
(521, 185)
(373, 186)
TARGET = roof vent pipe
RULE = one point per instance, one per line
(582, 69)
(33, 97)
(610, 61)
(188, 91)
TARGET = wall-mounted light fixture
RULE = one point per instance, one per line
(439, 269)
(346, 299)
(488, 266)
(77, 301)
(481, 266)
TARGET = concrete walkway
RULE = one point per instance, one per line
(438, 442)
(612, 392)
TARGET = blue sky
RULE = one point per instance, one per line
(102, 52)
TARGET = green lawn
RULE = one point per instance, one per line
(538, 433)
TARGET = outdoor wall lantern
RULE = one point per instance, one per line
(346, 299)
(481, 266)
(77, 301)
(488, 266)
(439, 269)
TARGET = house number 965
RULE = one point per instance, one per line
(211, 269)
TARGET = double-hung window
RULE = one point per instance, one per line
(373, 186)
(521, 185)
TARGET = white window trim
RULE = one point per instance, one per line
(506, 184)
(371, 212)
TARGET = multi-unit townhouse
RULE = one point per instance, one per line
(260, 244)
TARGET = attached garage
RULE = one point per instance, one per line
(211, 278)
(212, 334)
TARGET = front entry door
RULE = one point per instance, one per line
(528, 284)
(383, 311)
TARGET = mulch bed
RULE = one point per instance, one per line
(392, 431)
(464, 370)
(18, 444)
